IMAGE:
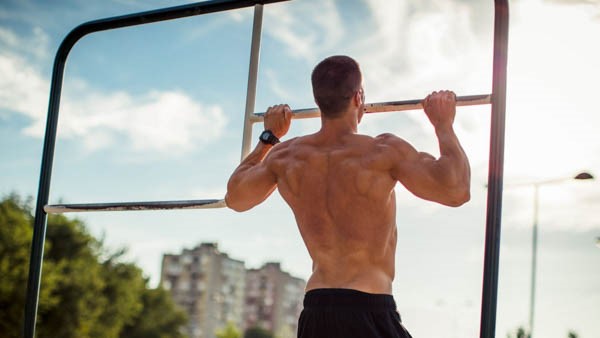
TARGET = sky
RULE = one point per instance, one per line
(155, 112)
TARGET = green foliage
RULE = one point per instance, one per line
(258, 332)
(520, 333)
(159, 317)
(285, 331)
(81, 285)
(82, 295)
(123, 289)
(15, 243)
(15, 235)
(229, 331)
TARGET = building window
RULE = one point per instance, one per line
(167, 285)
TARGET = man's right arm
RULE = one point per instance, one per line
(445, 180)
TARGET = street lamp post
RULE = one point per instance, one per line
(534, 238)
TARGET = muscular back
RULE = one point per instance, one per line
(340, 187)
(341, 192)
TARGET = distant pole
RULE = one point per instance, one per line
(534, 240)
(534, 235)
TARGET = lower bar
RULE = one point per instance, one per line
(382, 107)
(135, 206)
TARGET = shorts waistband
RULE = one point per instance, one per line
(348, 299)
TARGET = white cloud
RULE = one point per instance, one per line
(236, 16)
(275, 83)
(22, 89)
(303, 28)
(168, 122)
(8, 37)
(569, 205)
(35, 44)
(39, 43)
(575, 2)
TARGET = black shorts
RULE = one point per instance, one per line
(346, 313)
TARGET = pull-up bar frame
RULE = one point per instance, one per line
(251, 118)
(496, 158)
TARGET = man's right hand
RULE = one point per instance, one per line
(278, 119)
(440, 108)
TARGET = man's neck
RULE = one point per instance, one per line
(347, 124)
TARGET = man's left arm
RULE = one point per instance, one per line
(252, 181)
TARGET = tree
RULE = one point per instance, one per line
(229, 331)
(81, 285)
(82, 294)
(285, 331)
(15, 243)
(159, 317)
(258, 332)
(14, 251)
(124, 290)
(521, 333)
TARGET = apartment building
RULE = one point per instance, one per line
(215, 289)
(208, 285)
(273, 300)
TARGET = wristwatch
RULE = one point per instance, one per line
(267, 137)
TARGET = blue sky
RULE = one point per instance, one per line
(155, 113)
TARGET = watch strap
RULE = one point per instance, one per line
(268, 137)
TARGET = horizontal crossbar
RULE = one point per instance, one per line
(382, 107)
(135, 206)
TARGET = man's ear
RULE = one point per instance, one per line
(357, 99)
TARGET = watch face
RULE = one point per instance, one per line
(268, 137)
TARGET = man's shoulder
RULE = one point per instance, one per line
(389, 139)
(286, 144)
(283, 148)
(386, 137)
(284, 153)
(391, 142)
(297, 142)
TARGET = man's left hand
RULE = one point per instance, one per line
(278, 119)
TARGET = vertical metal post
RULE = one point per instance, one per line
(534, 240)
(495, 175)
(39, 225)
(252, 79)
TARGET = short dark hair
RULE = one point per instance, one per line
(334, 82)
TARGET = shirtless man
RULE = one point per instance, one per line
(340, 186)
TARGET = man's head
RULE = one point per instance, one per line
(335, 81)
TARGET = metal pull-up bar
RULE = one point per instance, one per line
(496, 160)
(379, 107)
(384, 107)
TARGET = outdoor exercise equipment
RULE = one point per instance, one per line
(497, 99)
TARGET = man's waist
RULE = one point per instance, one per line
(369, 279)
(348, 299)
